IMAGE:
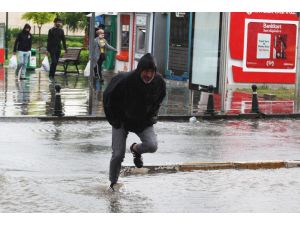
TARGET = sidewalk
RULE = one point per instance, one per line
(35, 97)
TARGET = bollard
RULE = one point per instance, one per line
(210, 103)
(255, 108)
(57, 102)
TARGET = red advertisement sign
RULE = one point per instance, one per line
(270, 46)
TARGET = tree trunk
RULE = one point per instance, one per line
(40, 28)
(86, 39)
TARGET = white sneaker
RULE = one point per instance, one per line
(52, 80)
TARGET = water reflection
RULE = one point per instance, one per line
(114, 203)
(51, 101)
(34, 96)
(57, 134)
(22, 95)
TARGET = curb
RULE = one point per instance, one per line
(177, 118)
(189, 167)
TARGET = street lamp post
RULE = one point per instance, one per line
(91, 56)
(6, 36)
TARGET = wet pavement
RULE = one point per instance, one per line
(63, 167)
(35, 97)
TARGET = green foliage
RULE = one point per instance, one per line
(12, 33)
(75, 38)
(43, 38)
(281, 93)
(74, 44)
(74, 41)
(74, 20)
(84, 58)
(71, 41)
(39, 18)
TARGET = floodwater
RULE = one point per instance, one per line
(63, 167)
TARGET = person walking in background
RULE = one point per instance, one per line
(56, 36)
(23, 45)
(131, 104)
(100, 47)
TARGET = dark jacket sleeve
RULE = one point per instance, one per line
(113, 98)
(154, 112)
(16, 43)
(63, 38)
(49, 40)
(117, 99)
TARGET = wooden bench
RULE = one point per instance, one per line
(71, 56)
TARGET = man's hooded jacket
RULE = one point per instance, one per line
(129, 101)
(24, 40)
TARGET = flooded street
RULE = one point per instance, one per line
(63, 167)
(224, 87)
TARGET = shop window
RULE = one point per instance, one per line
(206, 48)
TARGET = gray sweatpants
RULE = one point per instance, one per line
(119, 136)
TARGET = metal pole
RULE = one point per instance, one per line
(191, 101)
(210, 103)
(255, 107)
(91, 56)
(224, 58)
(6, 36)
(297, 83)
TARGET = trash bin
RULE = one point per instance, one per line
(32, 59)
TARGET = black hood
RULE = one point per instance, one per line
(147, 62)
(26, 26)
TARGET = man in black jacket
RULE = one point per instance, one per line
(56, 35)
(131, 103)
(23, 46)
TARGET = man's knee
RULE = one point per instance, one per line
(118, 157)
(152, 146)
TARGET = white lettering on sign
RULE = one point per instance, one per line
(282, 13)
(263, 46)
(272, 26)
